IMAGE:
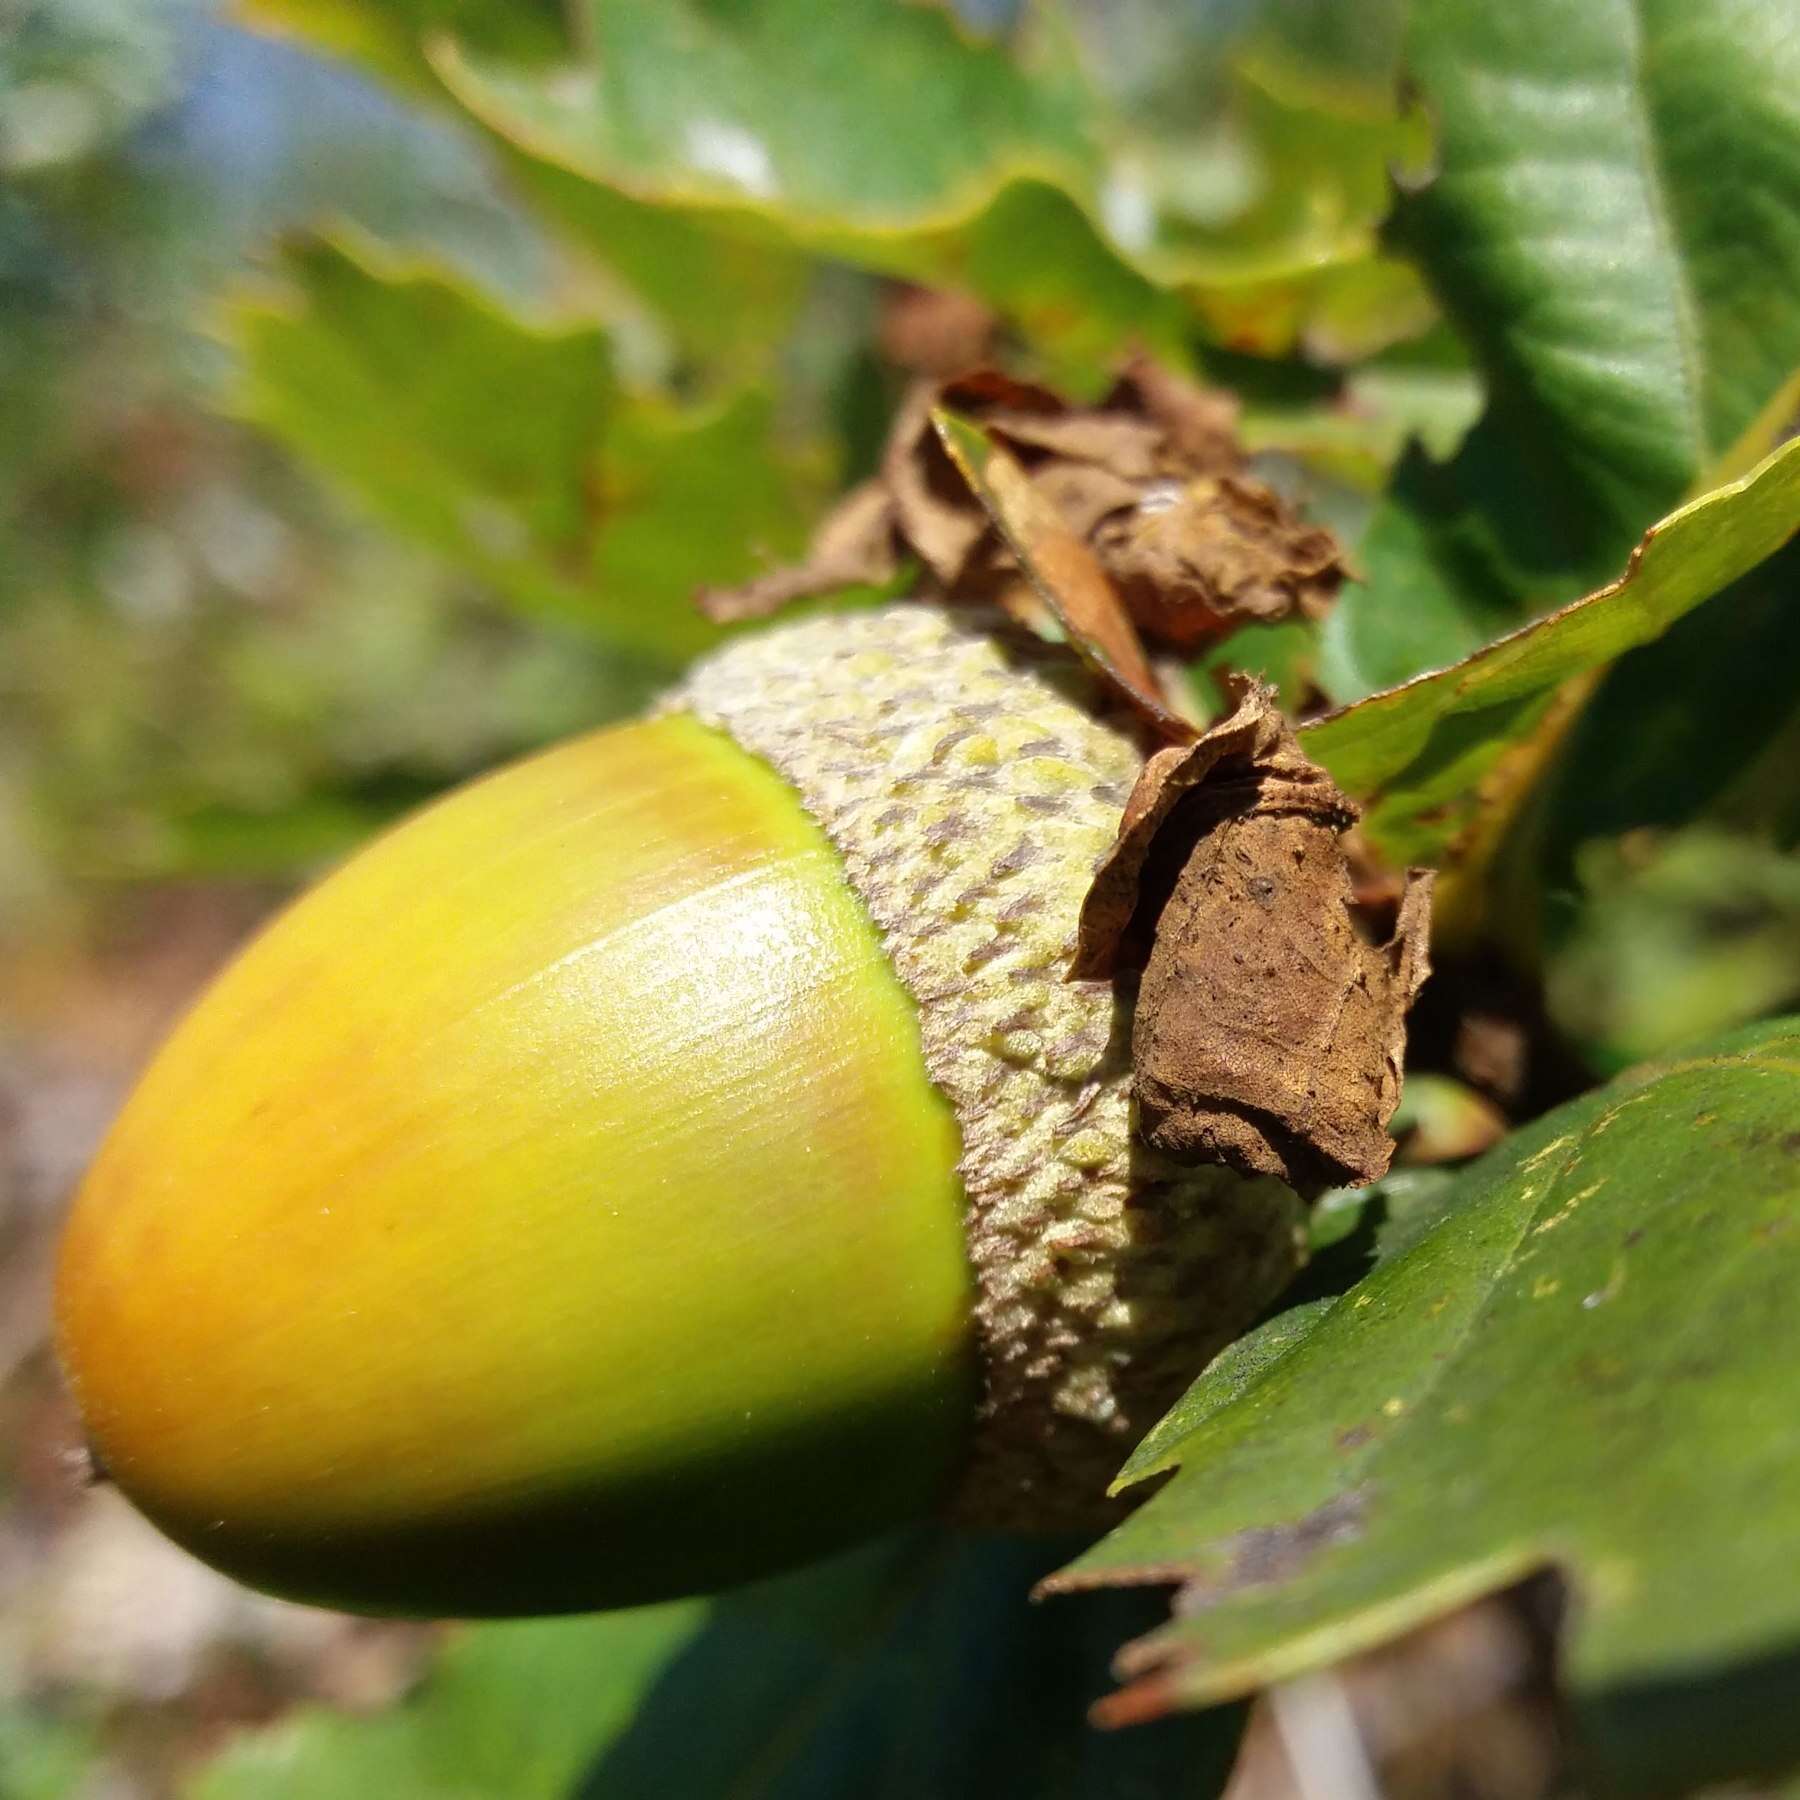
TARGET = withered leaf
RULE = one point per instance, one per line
(1152, 477)
(1250, 752)
(1270, 1027)
(1220, 550)
(934, 512)
(1062, 570)
(1198, 424)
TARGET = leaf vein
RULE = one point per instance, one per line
(1692, 356)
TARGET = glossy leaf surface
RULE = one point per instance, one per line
(1575, 1355)
(1416, 755)
(1615, 228)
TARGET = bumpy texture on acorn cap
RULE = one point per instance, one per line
(960, 768)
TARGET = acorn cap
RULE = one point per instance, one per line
(675, 1156)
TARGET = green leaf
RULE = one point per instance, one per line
(46, 1757)
(892, 137)
(868, 116)
(1674, 936)
(1416, 754)
(1648, 878)
(1350, 54)
(1282, 654)
(1356, 430)
(1577, 1358)
(914, 1667)
(878, 134)
(1229, 1376)
(673, 267)
(1680, 729)
(1432, 589)
(920, 1669)
(388, 35)
(516, 1709)
(1615, 227)
(1298, 261)
(512, 448)
(895, 137)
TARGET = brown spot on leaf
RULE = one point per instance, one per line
(1270, 1026)
(1255, 1557)
(1263, 1554)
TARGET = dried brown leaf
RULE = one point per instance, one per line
(1153, 478)
(1117, 444)
(1065, 573)
(1253, 744)
(1220, 551)
(1199, 425)
(1269, 1029)
(934, 512)
(1084, 493)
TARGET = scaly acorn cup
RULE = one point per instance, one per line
(676, 1156)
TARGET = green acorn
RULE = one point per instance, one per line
(676, 1156)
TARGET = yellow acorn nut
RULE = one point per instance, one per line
(670, 1158)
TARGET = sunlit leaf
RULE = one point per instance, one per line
(515, 1709)
(885, 135)
(388, 35)
(900, 139)
(880, 134)
(1577, 1358)
(1615, 227)
(513, 449)
(1698, 731)
(1700, 722)
(664, 270)
(673, 267)
(1415, 755)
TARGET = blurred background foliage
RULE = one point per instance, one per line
(378, 378)
(213, 663)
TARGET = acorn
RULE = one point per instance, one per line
(678, 1155)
